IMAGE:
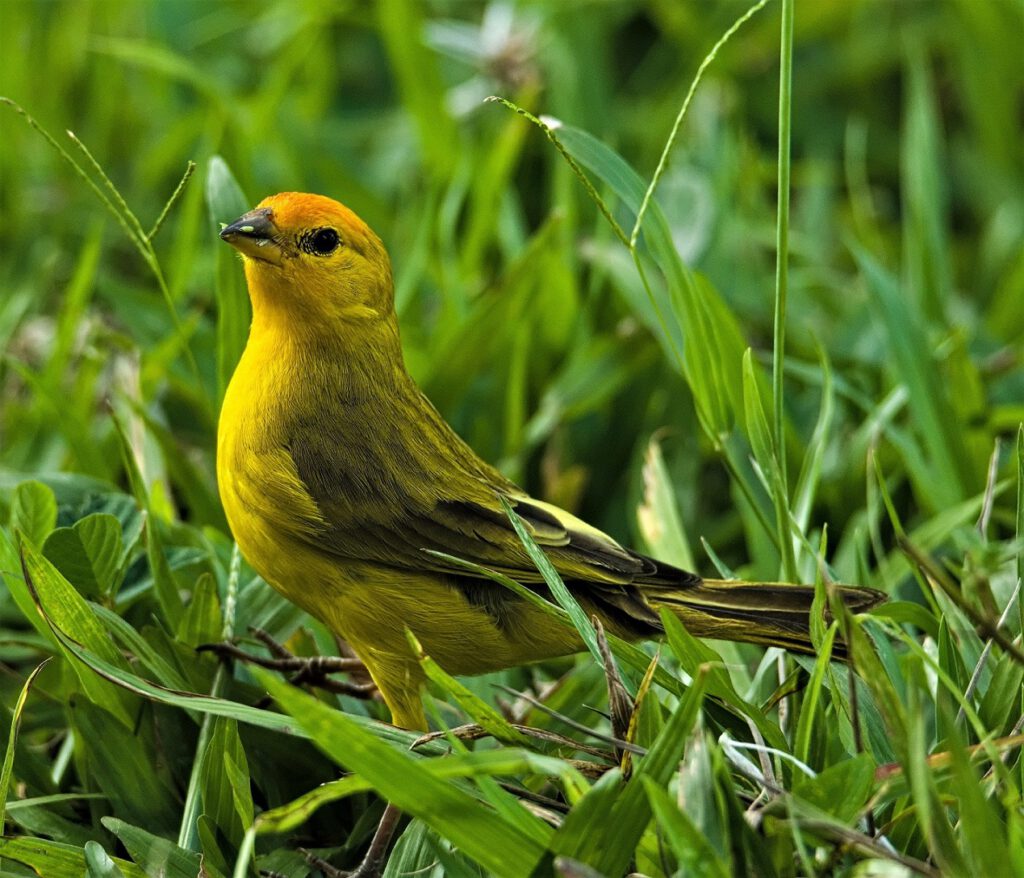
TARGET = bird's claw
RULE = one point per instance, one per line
(310, 670)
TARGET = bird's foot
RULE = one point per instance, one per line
(310, 670)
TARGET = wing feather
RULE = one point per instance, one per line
(437, 495)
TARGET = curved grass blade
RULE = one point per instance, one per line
(12, 739)
(402, 779)
(55, 859)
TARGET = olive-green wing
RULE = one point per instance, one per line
(396, 521)
(389, 495)
(484, 534)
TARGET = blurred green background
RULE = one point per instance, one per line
(523, 316)
(905, 143)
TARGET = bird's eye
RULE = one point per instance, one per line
(321, 242)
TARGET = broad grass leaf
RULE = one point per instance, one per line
(90, 553)
(162, 61)
(924, 189)
(983, 830)
(226, 202)
(811, 718)
(135, 642)
(164, 586)
(454, 863)
(1019, 519)
(189, 477)
(87, 500)
(56, 860)
(225, 784)
(200, 704)
(419, 80)
(622, 810)
(202, 620)
(1001, 702)
(98, 863)
(156, 855)
(285, 818)
(757, 422)
(576, 836)
(966, 386)
(809, 478)
(42, 820)
(909, 613)
(631, 811)
(70, 615)
(414, 854)
(695, 854)
(877, 729)
(213, 859)
(697, 788)
(932, 532)
(842, 789)
(689, 306)
(33, 511)
(589, 380)
(929, 810)
(74, 307)
(951, 662)
(125, 765)
(12, 577)
(482, 763)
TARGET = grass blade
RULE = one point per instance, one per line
(459, 817)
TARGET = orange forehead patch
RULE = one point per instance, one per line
(302, 210)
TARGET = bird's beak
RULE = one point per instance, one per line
(255, 235)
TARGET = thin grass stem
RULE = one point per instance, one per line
(549, 131)
(77, 168)
(667, 151)
(175, 195)
(782, 285)
(115, 195)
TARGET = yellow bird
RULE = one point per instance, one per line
(336, 473)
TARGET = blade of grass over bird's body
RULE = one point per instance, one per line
(565, 599)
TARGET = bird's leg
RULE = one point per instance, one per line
(373, 862)
(312, 670)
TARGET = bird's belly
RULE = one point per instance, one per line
(376, 608)
(373, 606)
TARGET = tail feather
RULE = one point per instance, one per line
(768, 613)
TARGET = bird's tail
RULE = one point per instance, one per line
(769, 613)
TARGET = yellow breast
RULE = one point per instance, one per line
(268, 508)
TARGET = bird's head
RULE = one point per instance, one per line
(311, 262)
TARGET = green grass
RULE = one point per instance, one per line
(590, 302)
